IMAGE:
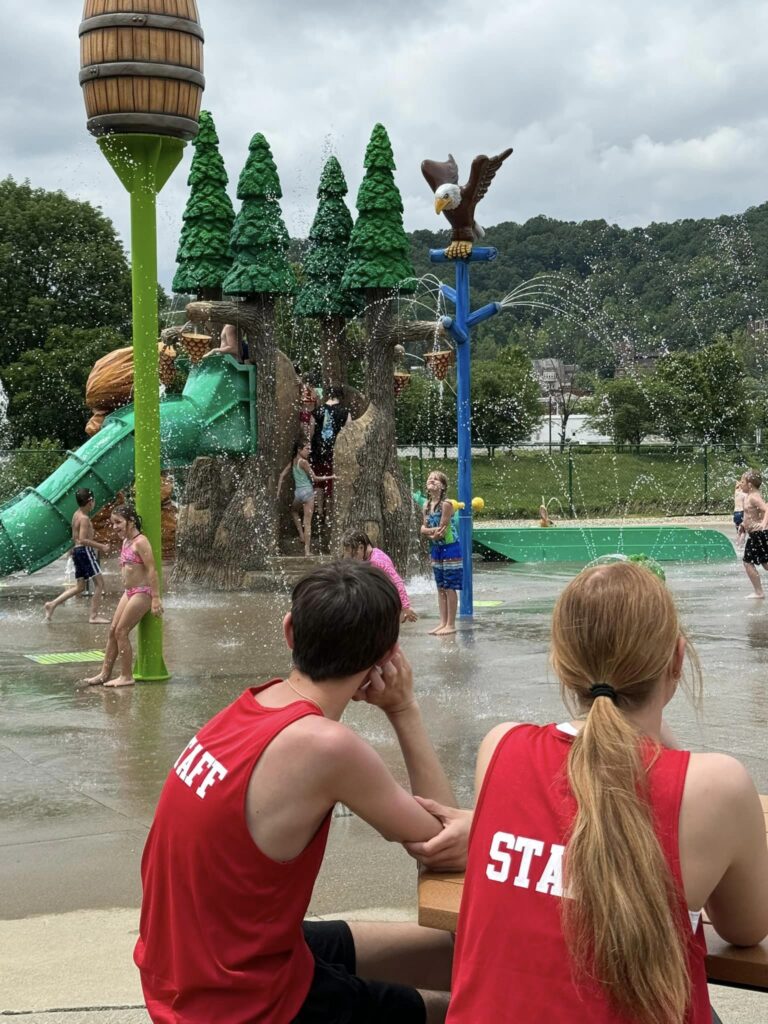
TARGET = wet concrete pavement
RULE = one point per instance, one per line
(81, 768)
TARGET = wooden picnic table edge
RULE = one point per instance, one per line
(747, 966)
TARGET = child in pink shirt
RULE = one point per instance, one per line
(357, 544)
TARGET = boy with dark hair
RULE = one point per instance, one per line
(86, 564)
(241, 825)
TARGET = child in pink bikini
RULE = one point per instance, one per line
(142, 594)
(357, 544)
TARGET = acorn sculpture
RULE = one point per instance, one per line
(110, 382)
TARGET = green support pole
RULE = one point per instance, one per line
(143, 163)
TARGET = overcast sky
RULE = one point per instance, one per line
(615, 109)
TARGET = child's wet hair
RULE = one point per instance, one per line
(754, 479)
(129, 513)
(355, 539)
(83, 495)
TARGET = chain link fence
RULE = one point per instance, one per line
(595, 479)
(577, 481)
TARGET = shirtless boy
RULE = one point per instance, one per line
(755, 525)
(240, 830)
(230, 344)
(86, 564)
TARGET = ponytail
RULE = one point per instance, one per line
(623, 921)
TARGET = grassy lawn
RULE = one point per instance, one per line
(603, 482)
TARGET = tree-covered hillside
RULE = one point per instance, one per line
(625, 293)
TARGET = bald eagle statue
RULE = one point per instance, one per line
(458, 202)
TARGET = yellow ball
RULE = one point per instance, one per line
(478, 504)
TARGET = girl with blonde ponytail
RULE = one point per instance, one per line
(596, 844)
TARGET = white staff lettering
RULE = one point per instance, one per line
(551, 880)
(504, 844)
(188, 770)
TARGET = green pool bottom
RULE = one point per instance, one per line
(583, 544)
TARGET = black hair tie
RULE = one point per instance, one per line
(603, 690)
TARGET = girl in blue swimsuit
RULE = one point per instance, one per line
(444, 549)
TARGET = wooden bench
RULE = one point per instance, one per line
(440, 898)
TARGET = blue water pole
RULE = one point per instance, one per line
(459, 327)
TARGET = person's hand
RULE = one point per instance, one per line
(447, 851)
(389, 686)
(157, 606)
(408, 615)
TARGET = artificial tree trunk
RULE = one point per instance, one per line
(372, 493)
(219, 539)
(406, 332)
(332, 356)
(228, 524)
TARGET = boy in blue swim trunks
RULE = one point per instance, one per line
(445, 551)
(87, 565)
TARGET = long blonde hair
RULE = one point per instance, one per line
(429, 505)
(617, 624)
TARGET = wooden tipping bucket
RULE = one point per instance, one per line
(402, 380)
(439, 362)
(195, 345)
(142, 66)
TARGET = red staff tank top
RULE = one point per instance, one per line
(511, 961)
(220, 934)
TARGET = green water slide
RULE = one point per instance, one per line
(582, 544)
(215, 415)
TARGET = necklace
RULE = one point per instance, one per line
(303, 695)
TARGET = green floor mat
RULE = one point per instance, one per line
(66, 658)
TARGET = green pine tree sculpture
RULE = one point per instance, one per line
(203, 255)
(259, 238)
(379, 253)
(322, 294)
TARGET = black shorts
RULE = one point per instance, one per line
(338, 996)
(756, 548)
(86, 563)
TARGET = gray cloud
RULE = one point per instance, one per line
(616, 112)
